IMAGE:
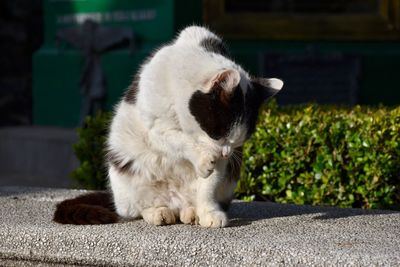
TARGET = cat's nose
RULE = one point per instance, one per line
(226, 151)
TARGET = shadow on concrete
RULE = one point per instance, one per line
(240, 213)
(244, 213)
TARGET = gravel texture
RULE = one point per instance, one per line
(259, 234)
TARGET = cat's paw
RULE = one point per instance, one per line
(188, 216)
(159, 216)
(205, 165)
(207, 158)
(213, 219)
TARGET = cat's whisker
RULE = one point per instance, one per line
(237, 155)
(238, 152)
(235, 160)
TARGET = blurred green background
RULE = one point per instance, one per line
(366, 31)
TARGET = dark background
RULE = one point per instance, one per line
(325, 54)
(21, 34)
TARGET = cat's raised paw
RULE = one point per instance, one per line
(205, 167)
(206, 162)
(214, 219)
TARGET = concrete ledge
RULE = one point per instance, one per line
(260, 234)
(37, 156)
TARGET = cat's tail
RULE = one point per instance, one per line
(92, 208)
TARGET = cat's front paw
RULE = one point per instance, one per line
(207, 157)
(188, 216)
(159, 216)
(214, 219)
(205, 165)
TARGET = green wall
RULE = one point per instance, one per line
(57, 69)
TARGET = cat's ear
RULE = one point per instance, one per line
(268, 87)
(226, 79)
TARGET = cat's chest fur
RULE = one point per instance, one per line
(147, 165)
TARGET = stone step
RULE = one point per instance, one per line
(37, 156)
(260, 234)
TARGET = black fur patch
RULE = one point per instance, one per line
(133, 89)
(214, 45)
(217, 111)
(255, 97)
(117, 162)
(131, 93)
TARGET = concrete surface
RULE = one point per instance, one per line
(37, 156)
(260, 234)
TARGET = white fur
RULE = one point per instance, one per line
(172, 156)
(276, 84)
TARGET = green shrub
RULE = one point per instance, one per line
(306, 154)
(90, 151)
(314, 154)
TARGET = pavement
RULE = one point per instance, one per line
(260, 234)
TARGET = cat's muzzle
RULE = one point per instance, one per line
(226, 151)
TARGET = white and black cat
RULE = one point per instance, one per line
(175, 139)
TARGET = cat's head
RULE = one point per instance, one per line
(227, 107)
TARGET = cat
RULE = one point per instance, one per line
(174, 146)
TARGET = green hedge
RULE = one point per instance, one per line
(305, 154)
(90, 151)
(324, 155)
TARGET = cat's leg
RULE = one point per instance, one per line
(188, 215)
(134, 198)
(176, 144)
(123, 194)
(208, 209)
(158, 216)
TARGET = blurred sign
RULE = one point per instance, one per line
(152, 20)
(305, 19)
(107, 17)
